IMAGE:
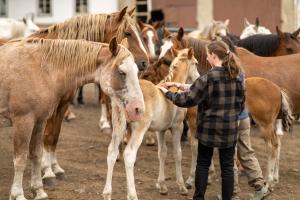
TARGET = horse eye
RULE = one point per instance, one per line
(289, 50)
(127, 34)
(122, 74)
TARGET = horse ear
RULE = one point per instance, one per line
(141, 24)
(246, 22)
(190, 53)
(174, 52)
(226, 22)
(279, 33)
(156, 25)
(130, 12)
(257, 22)
(122, 13)
(296, 33)
(180, 34)
(166, 32)
(113, 46)
(124, 42)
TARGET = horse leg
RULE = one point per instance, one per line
(150, 138)
(176, 133)
(103, 122)
(276, 170)
(36, 151)
(119, 128)
(138, 131)
(50, 166)
(267, 131)
(162, 155)
(80, 96)
(194, 148)
(22, 131)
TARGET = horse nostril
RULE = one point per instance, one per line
(137, 111)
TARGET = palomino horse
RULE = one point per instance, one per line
(211, 31)
(160, 115)
(265, 101)
(281, 70)
(58, 67)
(11, 28)
(253, 29)
(272, 44)
(98, 28)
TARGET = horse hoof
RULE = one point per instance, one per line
(60, 176)
(21, 197)
(106, 196)
(188, 186)
(150, 142)
(49, 182)
(183, 191)
(163, 190)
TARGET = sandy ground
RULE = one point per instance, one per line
(82, 153)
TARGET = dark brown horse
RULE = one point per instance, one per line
(97, 28)
(282, 43)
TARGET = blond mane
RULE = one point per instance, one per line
(70, 56)
(88, 27)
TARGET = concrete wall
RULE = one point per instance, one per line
(289, 15)
(204, 13)
(61, 9)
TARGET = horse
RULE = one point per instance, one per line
(58, 67)
(212, 30)
(253, 29)
(11, 28)
(97, 28)
(150, 37)
(282, 43)
(160, 115)
(281, 70)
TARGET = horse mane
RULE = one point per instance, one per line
(263, 44)
(87, 27)
(71, 56)
(199, 47)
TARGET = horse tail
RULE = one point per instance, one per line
(286, 112)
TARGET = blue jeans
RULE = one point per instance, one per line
(203, 162)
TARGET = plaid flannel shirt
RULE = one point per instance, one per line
(220, 100)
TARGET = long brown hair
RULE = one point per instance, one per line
(230, 60)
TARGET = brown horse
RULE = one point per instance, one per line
(264, 108)
(97, 28)
(281, 70)
(55, 67)
(282, 43)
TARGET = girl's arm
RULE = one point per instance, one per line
(191, 97)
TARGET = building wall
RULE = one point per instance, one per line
(61, 9)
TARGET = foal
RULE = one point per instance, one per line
(49, 69)
(160, 116)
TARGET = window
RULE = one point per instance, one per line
(3, 8)
(44, 7)
(81, 6)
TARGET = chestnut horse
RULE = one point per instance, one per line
(264, 108)
(55, 67)
(281, 70)
(97, 28)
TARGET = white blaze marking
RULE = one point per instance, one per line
(165, 47)
(140, 41)
(151, 46)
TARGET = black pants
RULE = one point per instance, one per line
(203, 162)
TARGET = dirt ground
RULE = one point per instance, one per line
(82, 153)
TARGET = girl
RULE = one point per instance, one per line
(219, 95)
